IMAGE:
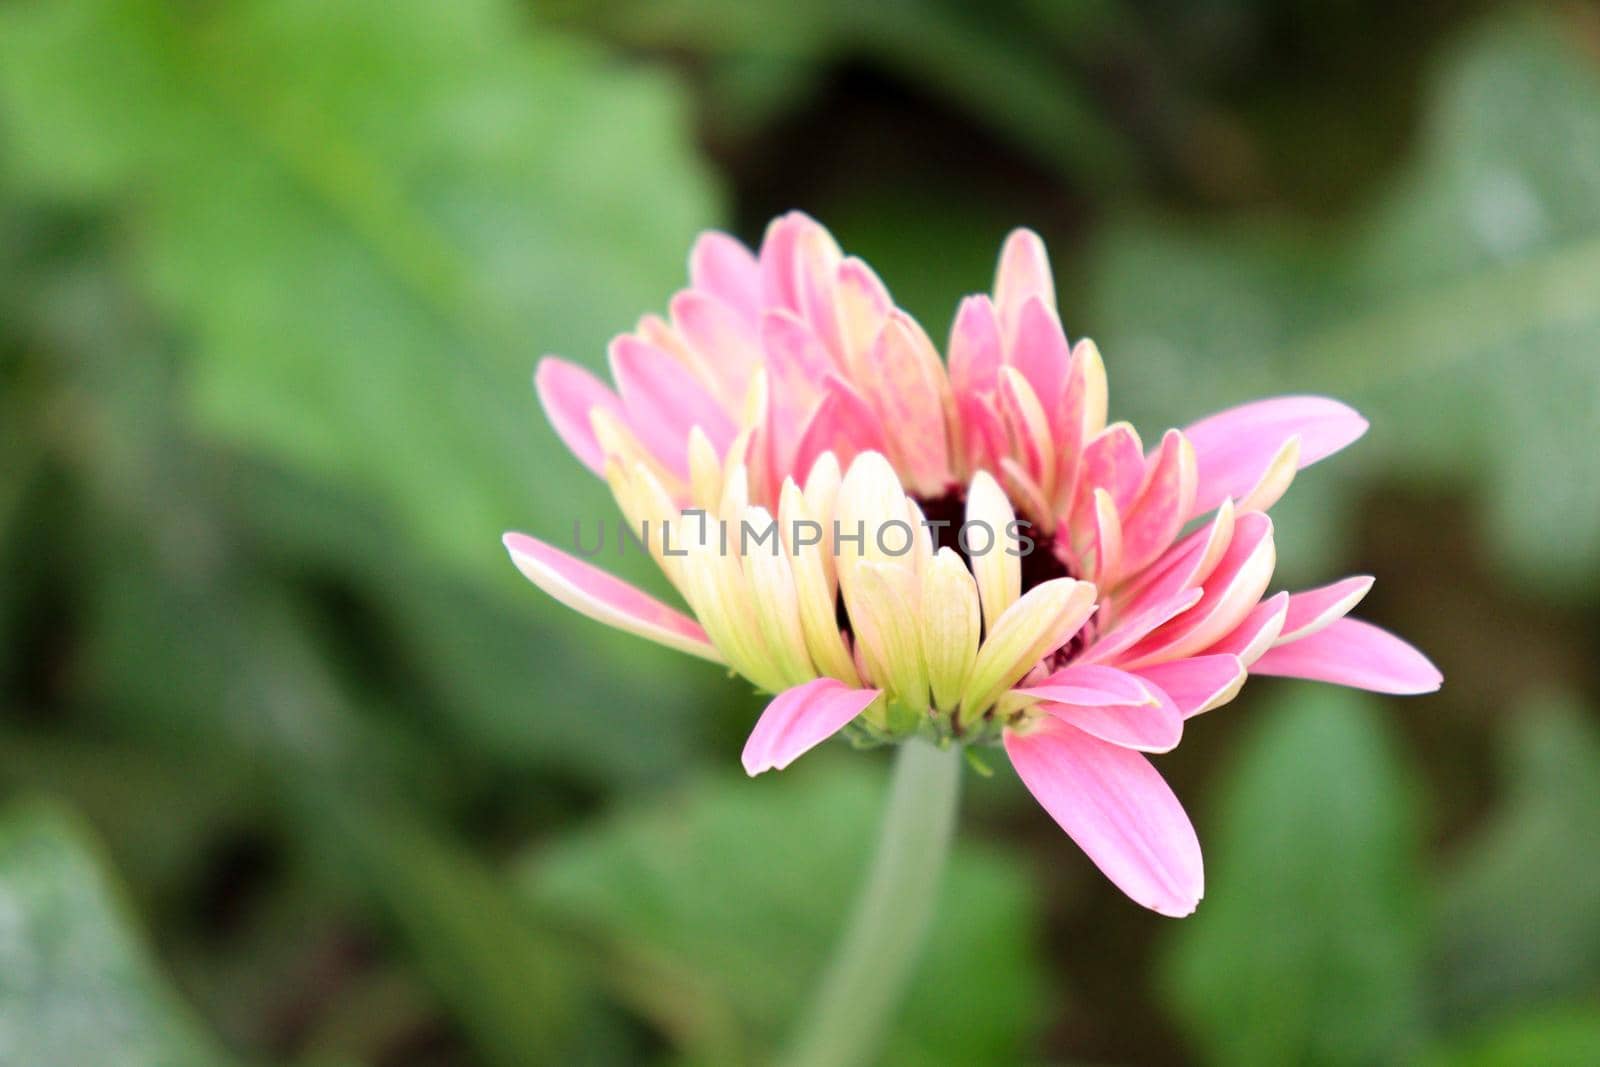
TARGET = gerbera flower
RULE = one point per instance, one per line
(896, 545)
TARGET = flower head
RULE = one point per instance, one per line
(895, 544)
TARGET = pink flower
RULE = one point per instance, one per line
(961, 549)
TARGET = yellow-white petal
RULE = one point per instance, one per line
(724, 603)
(766, 565)
(1043, 620)
(997, 571)
(815, 591)
(882, 602)
(950, 626)
(870, 516)
(1275, 480)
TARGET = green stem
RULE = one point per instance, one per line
(872, 964)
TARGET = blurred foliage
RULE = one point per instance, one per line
(1316, 819)
(1508, 938)
(273, 277)
(696, 897)
(1459, 312)
(76, 986)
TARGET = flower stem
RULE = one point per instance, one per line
(873, 962)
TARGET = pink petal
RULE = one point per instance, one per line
(1023, 273)
(1186, 565)
(776, 262)
(1315, 609)
(1234, 448)
(800, 719)
(1120, 812)
(725, 340)
(910, 391)
(1144, 727)
(984, 431)
(861, 303)
(1165, 503)
(568, 393)
(1354, 653)
(605, 598)
(975, 346)
(726, 269)
(1039, 350)
(1131, 629)
(1199, 683)
(843, 423)
(664, 403)
(1090, 685)
(1113, 461)
(1231, 592)
(1257, 633)
(797, 370)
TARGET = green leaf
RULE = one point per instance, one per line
(722, 903)
(77, 985)
(1458, 311)
(369, 221)
(1307, 947)
(1520, 920)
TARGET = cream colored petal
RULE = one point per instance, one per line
(882, 602)
(766, 566)
(1029, 426)
(1043, 620)
(1275, 480)
(997, 571)
(705, 470)
(1096, 394)
(869, 516)
(951, 622)
(815, 590)
(1107, 544)
(725, 605)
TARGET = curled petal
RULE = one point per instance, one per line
(1275, 480)
(1230, 594)
(1090, 685)
(1128, 631)
(1117, 808)
(1316, 609)
(1252, 637)
(800, 719)
(1235, 448)
(1152, 726)
(592, 592)
(1354, 653)
(1199, 683)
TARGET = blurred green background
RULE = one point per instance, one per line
(297, 770)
